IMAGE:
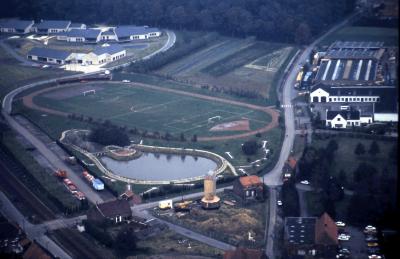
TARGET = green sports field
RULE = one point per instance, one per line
(149, 109)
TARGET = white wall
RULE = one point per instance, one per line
(386, 117)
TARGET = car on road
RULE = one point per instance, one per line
(343, 237)
(126, 81)
(45, 66)
(305, 182)
(279, 202)
(340, 224)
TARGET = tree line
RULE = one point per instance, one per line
(278, 20)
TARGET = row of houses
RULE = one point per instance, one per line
(77, 32)
(98, 56)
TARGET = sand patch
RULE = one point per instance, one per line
(241, 125)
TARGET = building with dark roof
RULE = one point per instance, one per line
(51, 26)
(307, 237)
(245, 253)
(249, 188)
(16, 26)
(48, 55)
(77, 25)
(80, 35)
(129, 32)
(115, 211)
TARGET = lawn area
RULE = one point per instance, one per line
(346, 160)
(220, 224)
(173, 244)
(149, 109)
(389, 36)
(12, 74)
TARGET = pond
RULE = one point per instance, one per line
(160, 167)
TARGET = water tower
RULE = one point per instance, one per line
(210, 199)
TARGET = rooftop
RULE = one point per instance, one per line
(128, 30)
(347, 115)
(53, 24)
(114, 208)
(326, 231)
(356, 45)
(84, 33)
(250, 180)
(49, 53)
(17, 24)
(245, 253)
(112, 49)
(300, 230)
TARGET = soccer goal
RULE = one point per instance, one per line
(89, 92)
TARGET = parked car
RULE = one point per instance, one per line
(342, 256)
(343, 237)
(344, 251)
(305, 182)
(372, 244)
(370, 238)
(340, 224)
(279, 202)
(125, 81)
(374, 257)
(373, 250)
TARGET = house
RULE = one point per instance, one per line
(80, 35)
(51, 26)
(249, 187)
(16, 26)
(53, 56)
(343, 119)
(109, 35)
(245, 253)
(80, 26)
(128, 32)
(35, 251)
(101, 55)
(115, 211)
(130, 196)
(310, 237)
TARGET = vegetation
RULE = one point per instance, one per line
(109, 135)
(289, 21)
(250, 147)
(290, 199)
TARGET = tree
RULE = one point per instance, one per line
(250, 147)
(109, 136)
(360, 149)
(303, 33)
(125, 240)
(374, 149)
(342, 178)
(393, 153)
(332, 146)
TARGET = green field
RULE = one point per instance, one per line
(389, 36)
(12, 74)
(149, 109)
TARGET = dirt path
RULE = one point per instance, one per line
(28, 102)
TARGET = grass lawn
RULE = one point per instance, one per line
(173, 244)
(220, 224)
(346, 160)
(389, 36)
(12, 74)
(149, 109)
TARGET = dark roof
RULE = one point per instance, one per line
(356, 44)
(36, 252)
(17, 24)
(112, 49)
(53, 24)
(49, 53)
(251, 180)
(76, 25)
(88, 33)
(357, 90)
(128, 30)
(114, 208)
(245, 253)
(8, 230)
(347, 115)
(326, 231)
(300, 230)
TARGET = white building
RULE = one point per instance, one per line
(80, 35)
(344, 119)
(51, 26)
(102, 55)
(53, 56)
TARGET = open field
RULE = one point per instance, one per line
(389, 36)
(172, 244)
(346, 160)
(220, 224)
(234, 64)
(146, 108)
(12, 74)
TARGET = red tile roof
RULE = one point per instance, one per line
(249, 180)
(35, 252)
(326, 231)
(292, 162)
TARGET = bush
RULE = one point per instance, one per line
(250, 147)
(109, 135)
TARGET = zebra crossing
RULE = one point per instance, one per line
(286, 105)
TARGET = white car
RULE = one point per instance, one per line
(126, 81)
(369, 229)
(374, 257)
(305, 182)
(279, 202)
(343, 237)
(340, 224)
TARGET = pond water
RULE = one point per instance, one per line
(160, 167)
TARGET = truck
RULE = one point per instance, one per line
(97, 184)
(165, 205)
(60, 173)
(88, 176)
(182, 206)
(70, 185)
(79, 195)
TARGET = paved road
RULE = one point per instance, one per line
(33, 232)
(274, 177)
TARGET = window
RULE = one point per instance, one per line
(338, 119)
(358, 99)
(330, 99)
(362, 99)
(369, 99)
(377, 99)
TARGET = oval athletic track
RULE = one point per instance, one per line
(28, 102)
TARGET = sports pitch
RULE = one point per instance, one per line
(148, 109)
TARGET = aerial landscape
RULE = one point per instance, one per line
(199, 129)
